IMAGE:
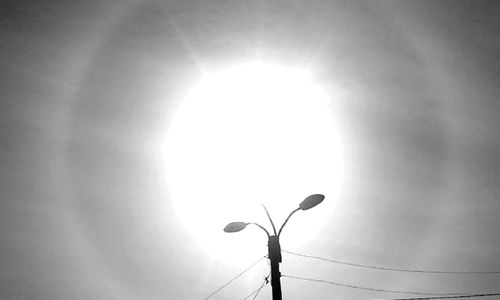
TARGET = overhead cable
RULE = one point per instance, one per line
(371, 289)
(389, 269)
(234, 278)
(449, 297)
(257, 291)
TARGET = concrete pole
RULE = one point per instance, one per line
(274, 250)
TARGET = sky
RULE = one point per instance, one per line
(89, 94)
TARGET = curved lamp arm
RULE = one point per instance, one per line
(284, 223)
(308, 203)
(271, 220)
(239, 226)
(261, 227)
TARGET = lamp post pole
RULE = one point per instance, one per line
(274, 250)
(273, 245)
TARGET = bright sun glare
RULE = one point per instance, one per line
(250, 134)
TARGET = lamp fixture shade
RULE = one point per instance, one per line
(235, 226)
(311, 201)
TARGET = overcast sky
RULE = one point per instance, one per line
(88, 90)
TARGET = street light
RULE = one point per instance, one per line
(273, 245)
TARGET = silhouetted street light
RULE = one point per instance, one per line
(273, 245)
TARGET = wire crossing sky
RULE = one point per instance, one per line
(234, 278)
(369, 288)
(450, 297)
(257, 291)
(391, 269)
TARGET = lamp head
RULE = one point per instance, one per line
(235, 226)
(311, 201)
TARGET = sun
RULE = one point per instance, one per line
(250, 134)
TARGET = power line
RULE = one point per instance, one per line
(371, 289)
(389, 269)
(257, 291)
(265, 282)
(234, 278)
(449, 297)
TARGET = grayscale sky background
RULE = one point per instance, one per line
(87, 88)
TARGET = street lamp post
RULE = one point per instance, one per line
(273, 245)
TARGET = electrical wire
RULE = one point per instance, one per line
(389, 269)
(265, 282)
(257, 291)
(234, 278)
(449, 297)
(371, 289)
